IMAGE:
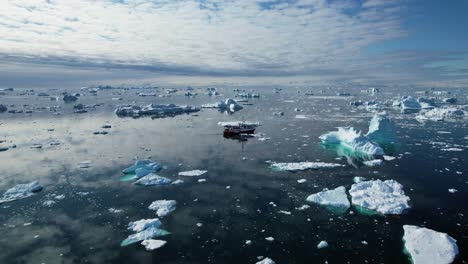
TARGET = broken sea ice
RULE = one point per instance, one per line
(336, 198)
(192, 173)
(163, 207)
(149, 233)
(300, 166)
(21, 191)
(266, 261)
(152, 179)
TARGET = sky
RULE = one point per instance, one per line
(420, 42)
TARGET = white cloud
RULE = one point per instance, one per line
(215, 35)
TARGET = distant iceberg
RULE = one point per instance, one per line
(424, 245)
(155, 110)
(441, 114)
(300, 166)
(385, 197)
(21, 191)
(409, 103)
(229, 104)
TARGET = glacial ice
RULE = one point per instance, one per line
(163, 207)
(192, 173)
(322, 244)
(424, 245)
(140, 169)
(266, 261)
(228, 105)
(146, 234)
(300, 166)
(381, 129)
(372, 163)
(350, 138)
(409, 103)
(156, 110)
(385, 197)
(21, 191)
(441, 114)
(152, 179)
(152, 244)
(335, 198)
(140, 225)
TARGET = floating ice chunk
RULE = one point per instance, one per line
(301, 180)
(152, 244)
(452, 190)
(228, 104)
(353, 140)
(358, 179)
(163, 207)
(303, 207)
(300, 166)
(381, 129)
(386, 197)
(192, 173)
(450, 100)
(451, 149)
(21, 191)
(141, 168)
(270, 239)
(335, 198)
(179, 181)
(140, 225)
(373, 163)
(388, 158)
(48, 203)
(115, 211)
(322, 244)
(441, 114)
(85, 164)
(146, 234)
(60, 197)
(152, 179)
(266, 261)
(428, 246)
(154, 110)
(409, 103)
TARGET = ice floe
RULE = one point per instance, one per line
(192, 173)
(21, 191)
(300, 166)
(152, 244)
(152, 179)
(335, 198)
(441, 114)
(156, 110)
(227, 105)
(163, 207)
(140, 169)
(322, 244)
(424, 245)
(149, 233)
(381, 129)
(385, 197)
(353, 140)
(140, 225)
(266, 261)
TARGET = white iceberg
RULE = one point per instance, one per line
(228, 105)
(140, 169)
(152, 179)
(163, 207)
(156, 110)
(441, 114)
(385, 197)
(428, 246)
(21, 191)
(152, 244)
(300, 166)
(349, 138)
(335, 198)
(140, 225)
(266, 261)
(146, 234)
(192, 173)
(381, 129)
(373, 163)
(409, 103)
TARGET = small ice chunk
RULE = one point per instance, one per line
(388, 158)
(179, 181)
(386, 197)
(322, 244)
(60, 197)
(115, 211)
(358, 179)
(266, 261)
(152, 244)
(335, 198)
(21, 191)
(152, 179)
(452, 190)
(428, 246)
(146, 234)
(301, 180)
(373, 163)
(140, 225)
(269, 239)
(192, 173)
(201, 180)
(299, 166)
(163, 207)
(48, 203)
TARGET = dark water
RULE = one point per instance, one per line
(80, 229)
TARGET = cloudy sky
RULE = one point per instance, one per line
(372, 41)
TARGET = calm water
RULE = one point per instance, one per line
(80, 228)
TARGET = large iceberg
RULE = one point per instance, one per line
(441, 114)
(350, 138)
(381, 129)
(21, 191)
(385, 197)
(226, 105)
(335, 198)
(156, 110)
(163, 207)
(428, 246)
(300, 166)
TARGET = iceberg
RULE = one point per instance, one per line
(300, 166)
(163, 207)
(152, 244)
(335, 198)
(146, 234)
(441, 114)
(409, 103)
(266, 261)
(424, 245)
(229, 104)
(192, 173)
(381, 129)
(385, 197)
(322, 244)
(353, 140)
(152, 179)
(21, 191)
(373, 163)
(140, 169)
(140, 225)
(155, 110)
